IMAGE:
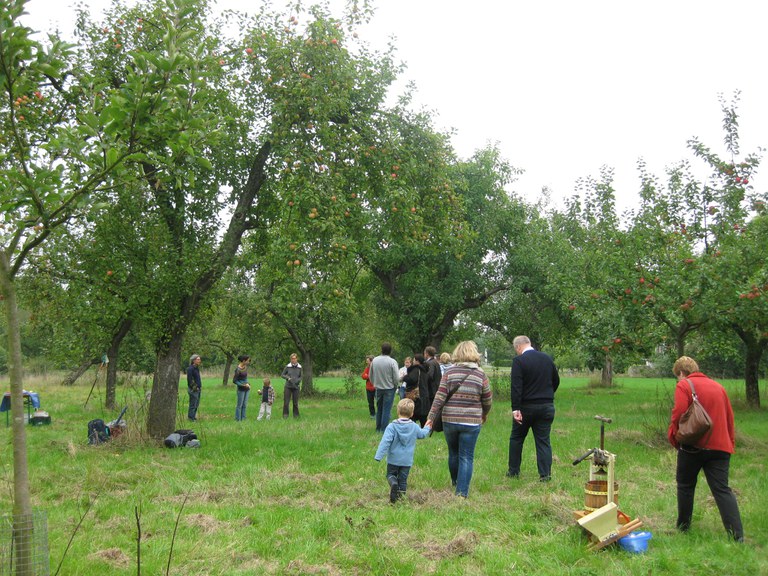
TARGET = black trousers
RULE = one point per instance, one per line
(715, 464)
(288, 395)
(538, 419)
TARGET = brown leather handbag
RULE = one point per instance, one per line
(695, 423)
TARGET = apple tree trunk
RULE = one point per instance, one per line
(606, 376)
(113, 354)
(165, 388)
(227, 367)
(751, 372)
(22, 502)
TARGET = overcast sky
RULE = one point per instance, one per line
(566, 87)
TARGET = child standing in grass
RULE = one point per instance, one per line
(398, 444)
(267, 398)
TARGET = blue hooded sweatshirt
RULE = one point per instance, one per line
(399, 441)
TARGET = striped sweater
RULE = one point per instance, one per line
(472, 399)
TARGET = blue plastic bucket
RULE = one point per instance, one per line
(635, 542)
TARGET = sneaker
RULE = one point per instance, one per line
(393, 489)
(512, 475)
(545, 479)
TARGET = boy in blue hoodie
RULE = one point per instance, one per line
(398, 444)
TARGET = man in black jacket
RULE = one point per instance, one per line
(534, 382)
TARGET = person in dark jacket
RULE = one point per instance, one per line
(417, 388)
(194, 386)
(534, 383)
(433, 371)
(712, 453)
(292, 375)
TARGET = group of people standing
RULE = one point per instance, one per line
(463, 399)
(291, 374)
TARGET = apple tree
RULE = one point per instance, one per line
(224, 123)
(52, 160)
(599, 279)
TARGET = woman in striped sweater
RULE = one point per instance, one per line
(464, 397)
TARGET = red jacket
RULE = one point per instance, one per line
(368, 384)
(714, 399)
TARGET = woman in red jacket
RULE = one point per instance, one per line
(370, 391)
(712, 453)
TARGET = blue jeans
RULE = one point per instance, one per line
(401, 473)
(194, 402)
(242, 402)
(384, 401)
(461, 440)
(538, 418)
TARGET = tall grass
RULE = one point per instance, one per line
(306, 497)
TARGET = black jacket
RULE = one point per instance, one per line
(534, 379)
(418, 376)
(435, 375)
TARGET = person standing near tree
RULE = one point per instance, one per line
(385, 376)
(240, 379)
(194, 386)
(292, 376)
(370, 391)
(434, 374)
(534, 383)
(712, 453)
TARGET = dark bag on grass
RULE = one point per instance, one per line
(179, 438)
(695, 423)
(97, 431)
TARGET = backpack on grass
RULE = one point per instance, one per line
(97, 432)
(180, 438)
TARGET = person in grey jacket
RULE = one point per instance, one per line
(292, 375)
(385, 377)
(398, 444)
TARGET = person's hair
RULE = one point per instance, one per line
(294, 355)
(684, 364)
(386, 348)
(430, 351)
(405, 408)
(369, 357)
(243, 358)
(519, 341)
(466, 352)
(419, 358)
(267, 381)
(193, 358)
(445, 358)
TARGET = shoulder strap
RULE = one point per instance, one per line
(450, 393)
(693, 390)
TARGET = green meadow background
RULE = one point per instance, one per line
(306, 496)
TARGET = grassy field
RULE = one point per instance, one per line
(306, 497)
